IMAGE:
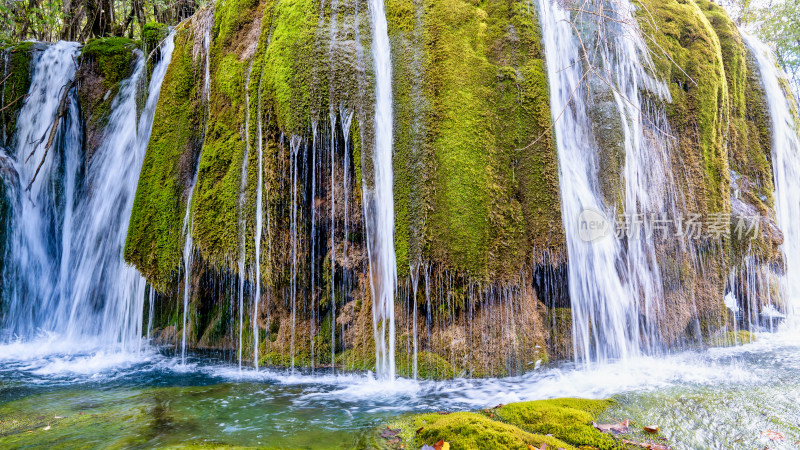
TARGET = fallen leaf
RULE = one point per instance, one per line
(616, 428)
(58, 417)
(647, 445)
(46, 428)
(419, 429)
(389, 433)
(530, 447)
(440, 445)
(651, 429)
(773, 435)
(444, 413)
(499, 406)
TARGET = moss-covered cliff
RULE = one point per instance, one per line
(285, 79)
(721, 159)
(284, 94)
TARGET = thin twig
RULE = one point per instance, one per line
(53, 130)
(14, 101)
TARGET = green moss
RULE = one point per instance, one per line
(748, 136)
(104, 64)
(219, 180)
(400, 15)
(155, 234)
(113, 56)
(569, 420)
(560, 423)
(731, 339)
(496, 166)
(466, 430)
(152, 34)
(5, 217)
(688, 55)
(19, 72)
(409, 113)
(430, 366)
(289, 62)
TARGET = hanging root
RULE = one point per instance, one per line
(62, 108)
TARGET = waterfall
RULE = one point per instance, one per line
(785, 163)
(295, 149)
(65, 273)
(259, 228)
(150, 311)
(380, 205)
(610, 285)
(188, 252)
(333, 240)
(313, 294)
(414, 272)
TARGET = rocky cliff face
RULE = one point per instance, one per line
(282, 92)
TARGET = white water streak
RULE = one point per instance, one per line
(380, 207)
(785, 163)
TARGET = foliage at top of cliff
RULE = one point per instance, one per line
(82, 20)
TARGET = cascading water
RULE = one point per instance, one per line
(259, 230)
(65, 270)
(609, 285)
(379, 205)
(295, 144)
(785, 163)
(313, 295)
(333, 240)
(414, 272)
(41, 229)
(188, 252)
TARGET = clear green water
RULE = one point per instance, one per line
(718, 398)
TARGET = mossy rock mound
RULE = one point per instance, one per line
(152, 34)
(567, 419)
(473, 431)
(561, 423)
(113, 56)
(104, 64)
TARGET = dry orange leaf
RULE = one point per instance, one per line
(773, 435)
